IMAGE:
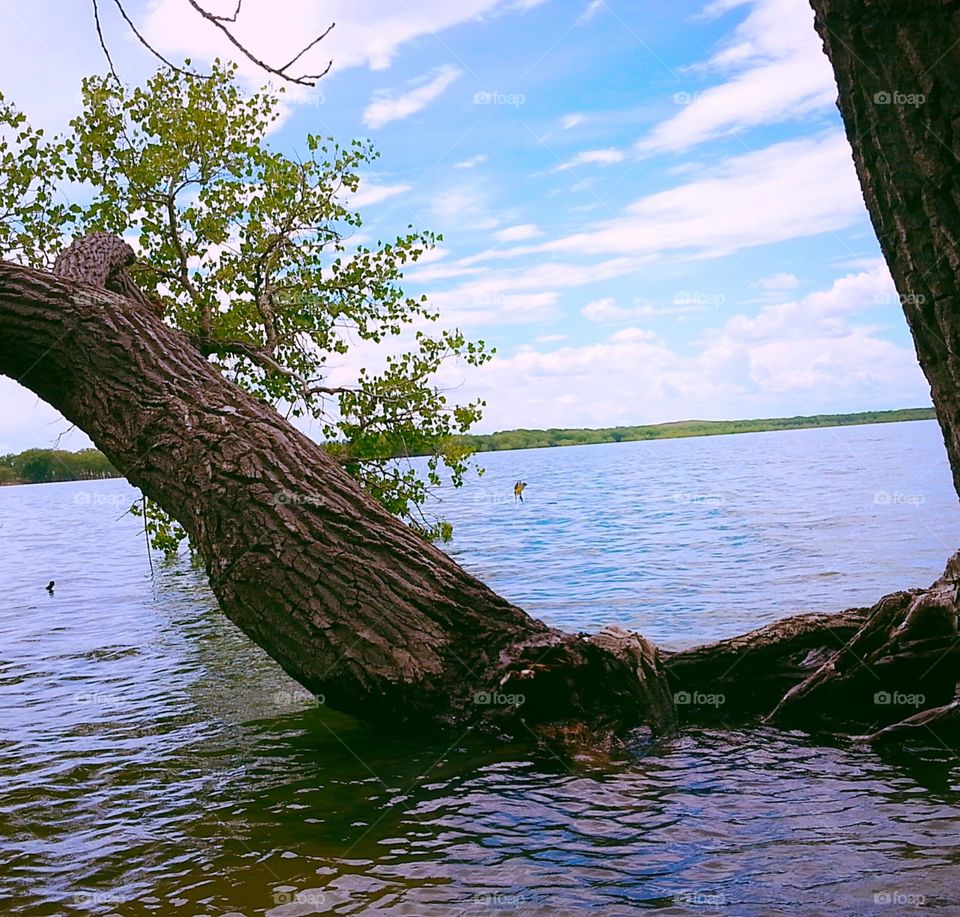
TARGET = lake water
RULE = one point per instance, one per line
(153, 761)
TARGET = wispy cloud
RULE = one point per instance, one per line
(609, 311)
(567, 122)
(524, 295)
(371, 193)
(387, 107)
(785, 191)
(470, 163)
(779, 73)
(368, 32)
(606, 157)
(518, 233)
(594, 7)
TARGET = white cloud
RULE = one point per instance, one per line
(609, 311)
(823, 313)
(525, 295)
(470, 163)
(465, 204)
(387, 107)
(495, 303)
(620, 381)
(632, 335)
(370, 193)
(572, 120)
(441, 272)
(606, 310)
(607, 157)
(518, 233)
(786, 191)
(781, 74)
(367, 32)
(592, 9)
(809, 356)
(812, 346)
(781, 281)
(718, 7)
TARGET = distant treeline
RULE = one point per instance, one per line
(43, 466)
(534, 439)
(38, 466)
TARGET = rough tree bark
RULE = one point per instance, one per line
(355, 606)
(346, 598)
(903, 657)
(752, 672)
(897, 64)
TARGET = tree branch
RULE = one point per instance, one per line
(206, 316)
(304, 80)
(103, 43)
(142, 41)
(232, 18)
(265, 360)
(220, 23)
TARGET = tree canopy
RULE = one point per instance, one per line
(250, 252)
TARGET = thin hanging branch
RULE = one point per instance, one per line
(140, 38)
(103, 43)
(220, 23)
(313, 43)
(304, 80)
(146, 535)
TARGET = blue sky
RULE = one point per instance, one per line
(649, 209)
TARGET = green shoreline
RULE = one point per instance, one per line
(43, 466)
(537, 439)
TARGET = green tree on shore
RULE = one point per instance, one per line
(44, 466)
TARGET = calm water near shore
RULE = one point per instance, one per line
(153, 761)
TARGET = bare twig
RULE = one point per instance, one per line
(261, 357)
(103, 43)
(220, 22)
(304, 80)
(61, 435)
(146, 536)
(146, 44)
(265, 360)
(232, 18)
(312, 44)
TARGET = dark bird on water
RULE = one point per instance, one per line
(50, 586)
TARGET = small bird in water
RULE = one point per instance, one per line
(518, 491)
(50, 586)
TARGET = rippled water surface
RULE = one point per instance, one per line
(153, 761)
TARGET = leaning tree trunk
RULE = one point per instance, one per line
(897, 64)
(355, 606)
(347, 599)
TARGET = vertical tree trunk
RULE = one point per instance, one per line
(897, 64)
